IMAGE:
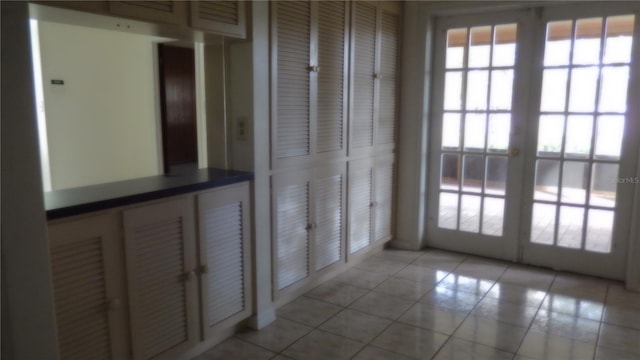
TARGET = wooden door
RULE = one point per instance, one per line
(178, 105)
(160, 255)
(225, 266)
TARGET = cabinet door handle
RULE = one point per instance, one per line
(372, 204)
(113, 304)
(188, 276)
(309, 227)
(203, 269)
(313, 68)
(377, 76)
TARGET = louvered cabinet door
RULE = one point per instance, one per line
(330, 131)
(225, 273)
(170, 11)
(87, 300)
(291, 228)
(329, 214)
(383, 199)
(360, 204)
(160, 255)
(226, 17)
(364, 38)
(388, 79)
(290, 72)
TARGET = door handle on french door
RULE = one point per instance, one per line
(514, 151)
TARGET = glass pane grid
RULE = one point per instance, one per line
(580, 131)
(476, 126)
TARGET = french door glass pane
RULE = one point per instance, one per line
(609, 136)
(599, 230)
(580, 131)
(618, 42)
(449, 172)
(448, 212)
(550, 130)
(543, 224)
(456, 41)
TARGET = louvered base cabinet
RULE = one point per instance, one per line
(174, 274)
(308, 225)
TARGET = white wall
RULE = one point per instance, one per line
(240, 112)
(102, 123)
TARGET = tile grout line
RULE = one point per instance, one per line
(470, 311)
(604, 309)
(546, 295)
(415, 302)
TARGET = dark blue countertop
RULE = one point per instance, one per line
(76, 201)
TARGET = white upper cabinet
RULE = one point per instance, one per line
(308, 81)
(170, 11)
(375, 40)
(388, 77)
(226, 17)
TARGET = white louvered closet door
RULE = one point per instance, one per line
(383, 209)
(388, 97)
(364, 73)
(225, 273)
(291, 59)
(87, 300)
(160, 252)
(170, 11)
(221, 16)
(331, 106)
(328, 200)
(360, 204)
(292, 227)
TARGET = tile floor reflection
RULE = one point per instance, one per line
(440, 305)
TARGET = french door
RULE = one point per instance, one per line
(533, 134)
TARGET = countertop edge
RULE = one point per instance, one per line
(154, 194)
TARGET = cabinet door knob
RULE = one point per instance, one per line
(204, 269)
(313, 68)
(188, 276)
(372, 204)
(113, 304)
(309, 227)
(377, 76)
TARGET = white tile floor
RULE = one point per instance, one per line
(441, 305)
